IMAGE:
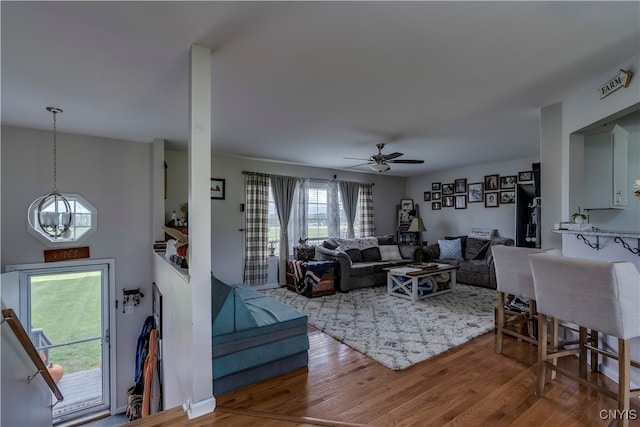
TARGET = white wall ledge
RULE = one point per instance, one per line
(183, 273)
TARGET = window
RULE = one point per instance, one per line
(83, 223)
(312, 215)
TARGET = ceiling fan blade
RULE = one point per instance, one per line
(406, 161)
(356, 158)
(358, 165)
(392, 155)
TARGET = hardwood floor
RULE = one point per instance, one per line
(469, 385)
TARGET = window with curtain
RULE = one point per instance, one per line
(318, 214)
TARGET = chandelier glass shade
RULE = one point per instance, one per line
(53, 214)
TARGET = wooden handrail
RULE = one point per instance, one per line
(10, 317)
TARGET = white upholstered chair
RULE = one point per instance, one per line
(513, 277)
(597, 295)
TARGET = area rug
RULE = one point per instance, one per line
(393, 331)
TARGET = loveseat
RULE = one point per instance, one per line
(361, 261)
(472, 255)
(254, 337)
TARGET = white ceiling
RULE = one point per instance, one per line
(453, 83)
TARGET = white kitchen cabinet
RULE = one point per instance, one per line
(605, 169)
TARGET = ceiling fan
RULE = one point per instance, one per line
(380, 162)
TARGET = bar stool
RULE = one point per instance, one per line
(596, 295)
(513, 276)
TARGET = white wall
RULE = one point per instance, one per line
(453, 222)
(115, 176)
(227, 240)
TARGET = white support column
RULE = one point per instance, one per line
(202, 400)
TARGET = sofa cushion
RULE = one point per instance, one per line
(370, 254)
(450, 249)
(354, 255)
(389, 252)
(474, 266)
(330, 244)
(475, 248)
(388, 239)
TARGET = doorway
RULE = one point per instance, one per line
(65, 309)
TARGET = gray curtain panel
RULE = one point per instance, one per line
(283, 188)
(349, 191)
(257, 229)
(367, 223)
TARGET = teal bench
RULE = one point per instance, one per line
(254, 337)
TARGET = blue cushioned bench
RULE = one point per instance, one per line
(254, 337)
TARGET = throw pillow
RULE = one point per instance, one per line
(389, 253)
(450, 249)
(370, 254)
(475, 248)
(387, 239)
(330, 244)
(483, 233)
(354, 255)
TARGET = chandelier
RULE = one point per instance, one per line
(54, 211)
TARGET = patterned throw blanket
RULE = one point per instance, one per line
(307, 274)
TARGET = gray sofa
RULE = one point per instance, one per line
(476, 267)
(365, 268)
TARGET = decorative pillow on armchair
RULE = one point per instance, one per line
(450, 249)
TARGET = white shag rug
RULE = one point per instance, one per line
(393, 331)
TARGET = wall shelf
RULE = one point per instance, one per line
(617, 237)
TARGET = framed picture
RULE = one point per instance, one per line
(436, 195)
(447, 189)
(406, 204)
(435, 186)
(217, 188)
(475, 192)
(525, 176)
(460, 185)
(508, 182)
(404, 219)
(436, 206)
(491, 200)
(461, 201)
(491, 182)
(427, 196)
(507, 197)
(447, 201)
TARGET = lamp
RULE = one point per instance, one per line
(416, 226)
(380, 167)
(54, 211)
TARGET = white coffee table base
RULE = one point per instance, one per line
(408, 286)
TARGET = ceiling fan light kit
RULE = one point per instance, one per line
(380, 167)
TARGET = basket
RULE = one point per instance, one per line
(304, 253)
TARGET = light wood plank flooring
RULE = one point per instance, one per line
(467, 386)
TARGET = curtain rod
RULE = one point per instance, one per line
(313, 179)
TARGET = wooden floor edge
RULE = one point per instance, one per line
(300, 420)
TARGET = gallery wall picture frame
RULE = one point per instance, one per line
(436, 206)
(461, 201)
(406, 204)
(491, 182)
(507, 197)
(217, 188)
(525, 176)
(491, 200)
(427, 196)
(460, 185)
(447, 189)
(436, 195)
(435, 186)
(447, 201)
(475, 192)
(508, 182)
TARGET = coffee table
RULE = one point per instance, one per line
(417, 282)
